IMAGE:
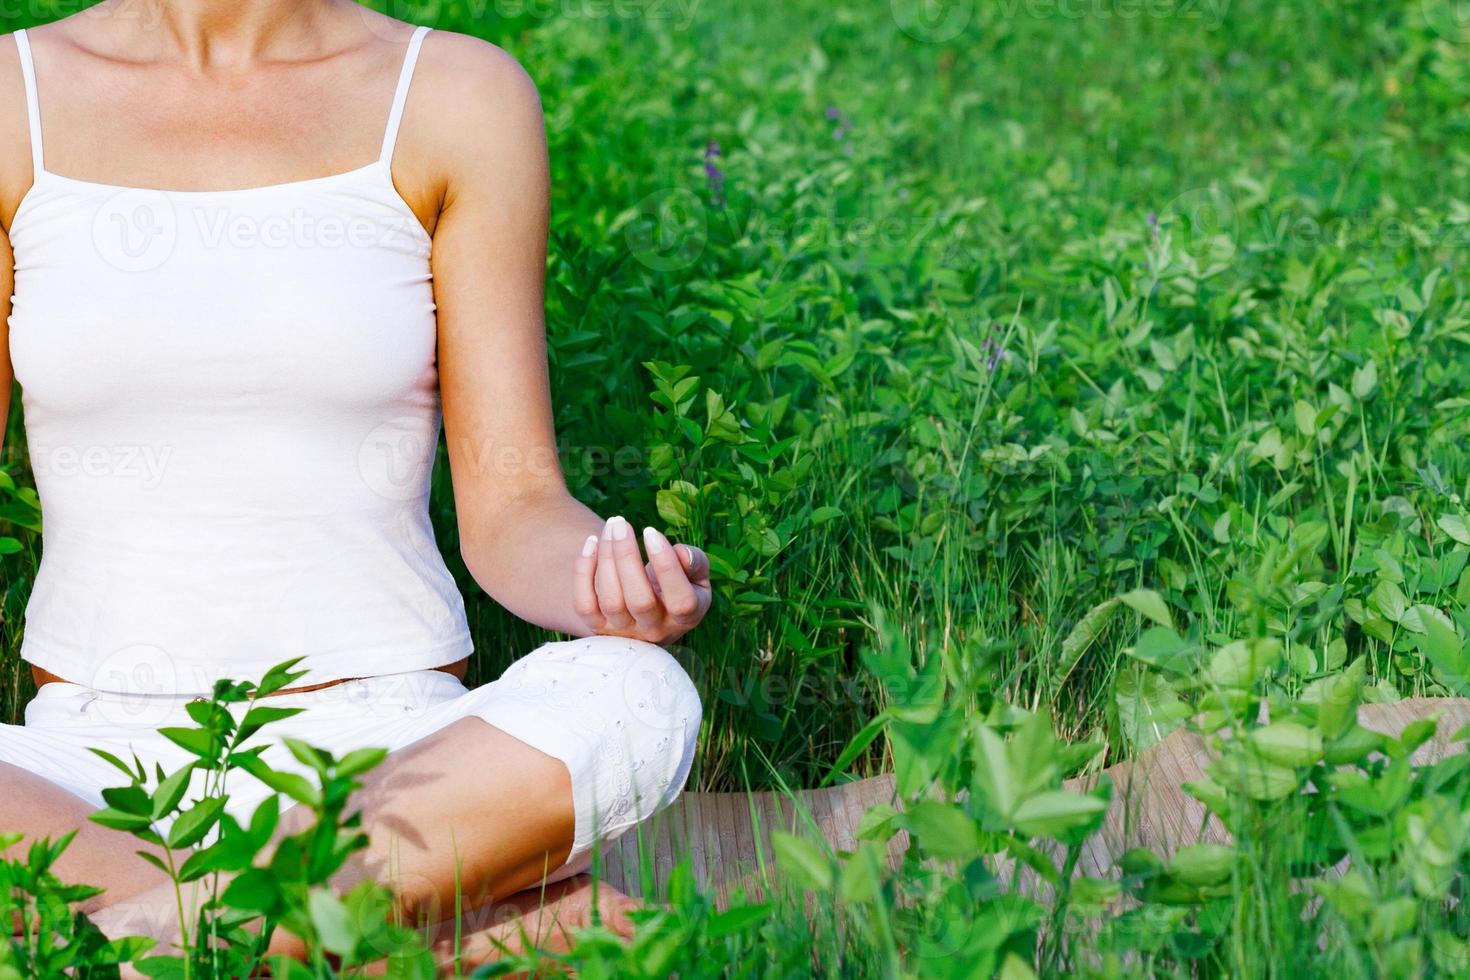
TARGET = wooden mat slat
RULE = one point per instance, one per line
(698, 855)
(714, 859)
(844, 831)
(819, 804)
(727, 836)
(666, 844)
(732, 826)
(753, 824)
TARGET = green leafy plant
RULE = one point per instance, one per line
(50, 937)
(239, 884)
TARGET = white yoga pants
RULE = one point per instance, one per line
(622, 715)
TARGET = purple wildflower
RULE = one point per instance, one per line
(714, 176)
(994, 350)
(843, 120)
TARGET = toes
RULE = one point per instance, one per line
(616, 914)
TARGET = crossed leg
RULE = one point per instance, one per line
(36, 808)
(469, 810)
(430, 831)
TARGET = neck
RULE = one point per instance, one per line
(223, 33)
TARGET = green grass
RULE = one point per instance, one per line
(1223, 248)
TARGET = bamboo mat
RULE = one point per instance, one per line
(727, 836)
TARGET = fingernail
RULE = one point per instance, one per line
(607, 529)
(687, 555)
(589, 546)
(619, 528)
(653, 541)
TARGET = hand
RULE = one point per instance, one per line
(616, 594)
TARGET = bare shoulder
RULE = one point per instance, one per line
(475, 110)
(15, 142)
(62, 39)
(471, 75)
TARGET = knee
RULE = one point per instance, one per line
(642, 712)
(643, 686)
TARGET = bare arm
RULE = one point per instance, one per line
(7, 285)
(15, 177)
(529, 543)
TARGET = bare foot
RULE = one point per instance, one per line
(541, 919)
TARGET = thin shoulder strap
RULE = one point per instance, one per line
(400, 98)
(33, 104)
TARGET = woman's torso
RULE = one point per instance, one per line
(232, 410)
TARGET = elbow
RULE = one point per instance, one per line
(493, 539)
(474, 551)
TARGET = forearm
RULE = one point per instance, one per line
(7, 286)
(525, 558)
(4, 411)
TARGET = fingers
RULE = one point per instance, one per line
(679, 598)
(614, 591)
(695, 562)
(609, 589)
(639, 599)
(584, 584)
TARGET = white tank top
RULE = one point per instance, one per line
(231, 403)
